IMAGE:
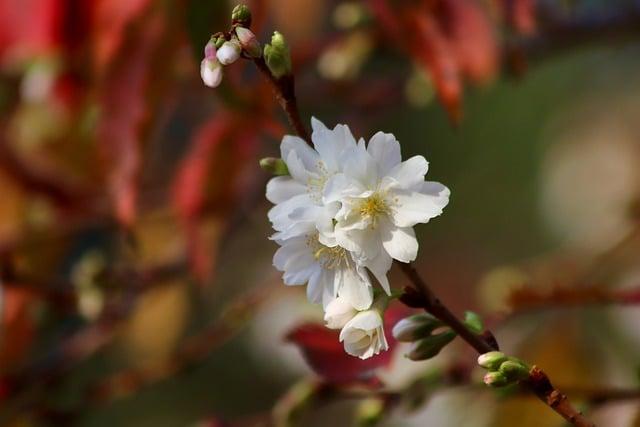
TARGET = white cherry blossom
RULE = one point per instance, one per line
(363, 335)
(381, 199)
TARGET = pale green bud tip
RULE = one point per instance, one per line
(241, 15)
(514, 370)
(492, 360)
(473, 322)
(274, 166)
(496, 379)
(277, 56)
(369, 412)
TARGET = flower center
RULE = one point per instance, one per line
(372, 207)
(328, 257)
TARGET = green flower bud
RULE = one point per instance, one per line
(496, 379)
(369, 412)
(514, 370)
(241, 15)
(277, 56)
(274, 166)
(430, 346)
(492, 360)
(473, 322)
(415, 327)
(218, 41)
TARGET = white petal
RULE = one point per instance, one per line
(340, 186)
(410, 208)
(379, 267)
(439, 192)
(354, 290)
(400, 243)
(359, 165)
(282, 188)
(307, 155)
(318, 282)
(385, 149)
(279, 214)
(331, 143)
(368, 320)
(411, 172)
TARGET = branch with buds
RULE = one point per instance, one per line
(344, 211)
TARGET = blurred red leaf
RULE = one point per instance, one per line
(28, 27)
(433, 51)
(122, 97)
(520, 15)
(110, 19)
(325, 354)
(448, 38)
(208, 181)
(18, 328)
(472, 38)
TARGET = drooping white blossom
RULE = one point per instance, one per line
(381, 199)
(363, 335)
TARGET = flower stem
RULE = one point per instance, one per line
(284, 89)
(538, 382)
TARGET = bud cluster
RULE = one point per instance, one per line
(502, 370)
(419, 329)
(226, 48)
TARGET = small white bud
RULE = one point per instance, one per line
(211, 72)
(249, 42)
(229, 52)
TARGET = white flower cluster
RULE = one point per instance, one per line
(228, 53)
(342, 215)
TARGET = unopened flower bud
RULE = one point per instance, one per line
(241, 15)
(211, 72)
(514, 370)
(210, 49)
(249, 42)
(473, 322)
(492, 360)
(277, 56)
(274, 166)
(229, 52)
(430, 346)
(415, 327)
(496, 379)
(369, 412)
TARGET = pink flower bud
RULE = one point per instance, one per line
(210, 50)
(229, 52)
(249, 42)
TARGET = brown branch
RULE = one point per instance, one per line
(538, 382)
(284, 89)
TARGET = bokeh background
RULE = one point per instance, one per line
(137, 284)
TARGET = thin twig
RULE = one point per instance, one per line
(284, 89)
